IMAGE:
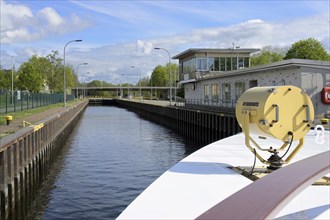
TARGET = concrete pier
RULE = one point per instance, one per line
(26, 158)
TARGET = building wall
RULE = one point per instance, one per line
(313, 81)
(310, 79)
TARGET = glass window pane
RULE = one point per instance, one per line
(226, 91)
(246, 62)
(222, 64)
(239, 89)
(234, 63)
(228, 63)
(210, 63)
(204, 64)
(240, 63)
(206, 91)
(215, 91)
(193, 64)
(216, 64)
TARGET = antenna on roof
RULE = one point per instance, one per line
(235, 47)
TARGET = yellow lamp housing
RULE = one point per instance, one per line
(280, 112)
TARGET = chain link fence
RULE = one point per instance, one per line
(22, 100)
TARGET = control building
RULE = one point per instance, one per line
(217, 77)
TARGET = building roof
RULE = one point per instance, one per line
(213, 50)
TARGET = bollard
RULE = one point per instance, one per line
(9, 118)
(324, 121)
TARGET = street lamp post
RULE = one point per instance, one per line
(64, 74)
(83, 86)
(120, 87)
(150, 86)
(88, 79)
(169, 60)
(77, 77)
(139, 80)
(12, 80)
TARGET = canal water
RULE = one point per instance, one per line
(111, 156)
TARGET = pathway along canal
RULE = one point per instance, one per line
(110, 157)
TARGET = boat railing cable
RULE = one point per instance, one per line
(254, 163)
(290, 133)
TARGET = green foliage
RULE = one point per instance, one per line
(310, 48)
(159, 76)
(31, 74)
(144, 82)
(45, 73)
(267, 55)
(71, 77)
(5, 79)
(55, 76)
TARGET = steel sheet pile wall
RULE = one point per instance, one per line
(26, 157)
(203, 127)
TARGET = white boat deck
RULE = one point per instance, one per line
(203, 179)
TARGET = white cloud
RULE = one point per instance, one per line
(14, 15)
(144, 48)
(51, 16)
(255, 33)
(106, 62)
(20, 24)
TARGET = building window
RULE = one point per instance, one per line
(226, 92)
(241, 63)
(216, 64)
(206, 92)
(239, 89)
(181, 68)
(228, 63)
(222, 64)
(215, 91)
(201, 64)
(210, 62)
(246, 62)
(253, 83)
(234, 63)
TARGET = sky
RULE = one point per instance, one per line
(118, 34)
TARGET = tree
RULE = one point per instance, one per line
(145, 81)
(159, 76)
(5, 79)
(31, 74)
(55, 76)
(267, 55)
(310, 48)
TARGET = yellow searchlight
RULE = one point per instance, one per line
(281, 112)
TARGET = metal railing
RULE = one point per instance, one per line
(221, 103)
(19, 101)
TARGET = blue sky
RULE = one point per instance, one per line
(119, 34)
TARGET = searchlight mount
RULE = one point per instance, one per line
(284, 113)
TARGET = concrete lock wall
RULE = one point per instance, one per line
(26, 158)
(202, 127)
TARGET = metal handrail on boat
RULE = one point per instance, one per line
(289, 181)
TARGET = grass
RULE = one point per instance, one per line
(28, 112)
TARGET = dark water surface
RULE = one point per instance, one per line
(111, 156)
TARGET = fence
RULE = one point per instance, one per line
(19, 101)
(212, 103)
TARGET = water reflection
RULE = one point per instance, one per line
(110, 158)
